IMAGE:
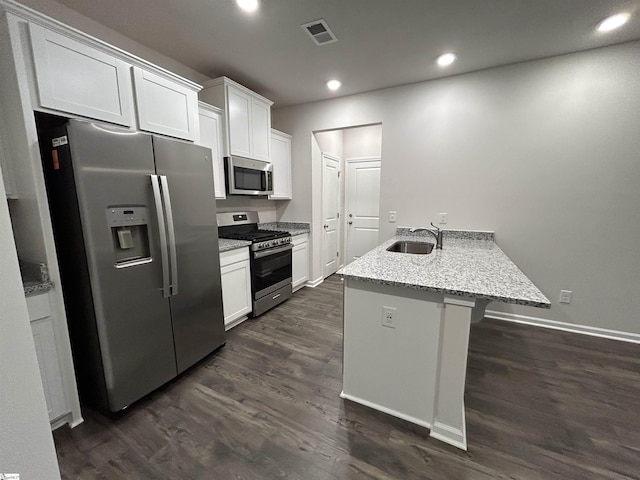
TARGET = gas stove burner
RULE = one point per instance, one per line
(244, 226)
(255, 235)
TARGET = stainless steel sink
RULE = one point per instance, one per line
(406, 246)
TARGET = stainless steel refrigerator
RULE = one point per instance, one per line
(134, 222)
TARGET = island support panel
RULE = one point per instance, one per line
(415, 371)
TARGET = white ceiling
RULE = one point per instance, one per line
(381, 43)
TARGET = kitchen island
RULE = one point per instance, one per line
(407, 319)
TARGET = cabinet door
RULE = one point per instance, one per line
(76, 78)
(45, 343)
(164, 106)
(211, 137)
(300, 261)
(281, 161)
(239, 115)
(260, 129)
(236, 285)
(5, 166)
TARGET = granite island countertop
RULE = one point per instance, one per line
(470, 264)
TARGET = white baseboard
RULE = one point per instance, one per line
(315, 283)
(386, 410)
(566, 327)
(235, 323)
(450, 435)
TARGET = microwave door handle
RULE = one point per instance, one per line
(172, 234)
(164, 258)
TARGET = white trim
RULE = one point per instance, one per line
(386, 410)
(362, 159)
(314, 283)
(566, 327)
(460, 301)
(449, 435)
(234, 323)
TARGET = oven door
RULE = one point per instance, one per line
(245, 176)
(270, 270)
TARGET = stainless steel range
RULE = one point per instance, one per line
(270, 258)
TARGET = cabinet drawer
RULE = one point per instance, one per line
(38, 307)
(233, 256)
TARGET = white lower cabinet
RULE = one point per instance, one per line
(45, 342)
(300, 262)
(236, 286)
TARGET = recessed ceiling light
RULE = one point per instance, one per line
(613, 22)
(446, 59)
(249, 6)
(333, 84)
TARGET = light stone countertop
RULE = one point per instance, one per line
(465, 267)
(35, 277)
(226, 244)
(294, 228)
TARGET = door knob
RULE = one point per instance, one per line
(326, 226)
(350, 223)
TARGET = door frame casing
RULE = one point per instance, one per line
(340, 204)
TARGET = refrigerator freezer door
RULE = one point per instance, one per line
(198, 321)
(112, 167)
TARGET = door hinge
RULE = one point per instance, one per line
(339, 172)
(338, 215)
(337, 254)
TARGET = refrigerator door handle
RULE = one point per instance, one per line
(163, 236)
(172, 234)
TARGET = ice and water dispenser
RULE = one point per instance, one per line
(129, 234)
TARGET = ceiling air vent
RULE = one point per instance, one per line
(320, 32)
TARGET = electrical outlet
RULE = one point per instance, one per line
(389, 317)
(392, 217)
(565, 296)
(443, 218)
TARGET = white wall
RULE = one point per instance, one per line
(363, 142)
(26, 444)
(331, 142)
(546, 153)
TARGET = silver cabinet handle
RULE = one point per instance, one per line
(172, 234)
(163, 236)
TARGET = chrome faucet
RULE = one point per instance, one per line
(437, 233)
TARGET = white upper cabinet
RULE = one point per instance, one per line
(165, 106)
(247, 118)
(281, 160)
(239, 123)
(260, 129)
(76, 78)
(211, 137)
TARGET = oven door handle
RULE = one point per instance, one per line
(272, 251)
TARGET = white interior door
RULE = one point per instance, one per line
(330, 209)
(362, 202)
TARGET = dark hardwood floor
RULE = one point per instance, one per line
(541, 404)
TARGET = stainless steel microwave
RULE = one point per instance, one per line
(245, 176)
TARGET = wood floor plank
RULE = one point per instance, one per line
(541, 405)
